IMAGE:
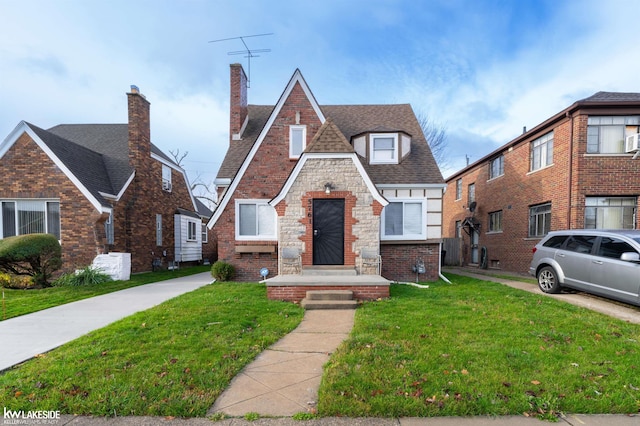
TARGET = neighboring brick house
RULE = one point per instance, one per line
(329, 181)
(577, 169)
(100, 188)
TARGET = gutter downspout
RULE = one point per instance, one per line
(440, 266)
(569, 204)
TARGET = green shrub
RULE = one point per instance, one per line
(35, 255)
(16, 282)
(84, 277)
(223, 271)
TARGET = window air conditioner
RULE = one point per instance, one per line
(631, 143)
(166, 185)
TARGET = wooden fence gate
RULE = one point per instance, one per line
(452, 248)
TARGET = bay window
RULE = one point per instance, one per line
(384, 148)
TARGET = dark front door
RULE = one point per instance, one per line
(328, 232)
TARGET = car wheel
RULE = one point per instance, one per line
(548, 280)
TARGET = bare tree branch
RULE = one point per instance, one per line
(437, 140)
(201, 190)
(178, 157)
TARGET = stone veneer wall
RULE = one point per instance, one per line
(362, 213)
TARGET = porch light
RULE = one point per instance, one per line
(328, 187)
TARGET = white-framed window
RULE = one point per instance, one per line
(297, 140)
(158, 229)
(191, 230)
(459, 189)
(255, 220)
(166, 178)
(496, 167)
(610, 212)
(20, 217)
(495, 221)
(205, 234)
(541, 154)
(384, 148)
(404, 220)
(606, 134)
(539, 220)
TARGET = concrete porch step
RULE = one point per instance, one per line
(330, 270)
(328, 304)
(329, 295)
(329, 299)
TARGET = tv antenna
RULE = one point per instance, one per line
(248, 53)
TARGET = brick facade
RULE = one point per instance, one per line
(81, 235)
(291, 185)
(269, 169)
(29, 173)
(298, 292)
(573, 176)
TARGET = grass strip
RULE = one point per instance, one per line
(172, 360)
(480, 348)
(21, 302)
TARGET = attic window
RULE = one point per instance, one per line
(166, 178)
(297, 140)
(384, 148)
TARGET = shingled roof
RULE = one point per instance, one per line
(96, 154)
(351, 120)
(329, 139)
(612, 97)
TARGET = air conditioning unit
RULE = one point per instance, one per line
(166, 185)
(631, 143)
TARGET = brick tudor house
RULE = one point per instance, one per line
(101, 188)
(577, 169)
(327, 181)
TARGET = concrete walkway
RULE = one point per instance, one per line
(23, 337)
(612, 308)
(284, 379)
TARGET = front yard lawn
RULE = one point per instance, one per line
(467, 348)
(21, 302)
(172, 360)
(481, 348)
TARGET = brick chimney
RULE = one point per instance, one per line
(238, 101)
(139, 129)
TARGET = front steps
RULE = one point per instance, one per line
(329, 299)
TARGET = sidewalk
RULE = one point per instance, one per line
(281, 382)
(25, 336)
(569, 420)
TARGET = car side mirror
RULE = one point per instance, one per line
(630, 257)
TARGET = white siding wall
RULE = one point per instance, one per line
(187, 250)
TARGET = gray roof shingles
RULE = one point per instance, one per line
(96, 154)
(418, 167)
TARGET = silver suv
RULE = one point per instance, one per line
(602, 262)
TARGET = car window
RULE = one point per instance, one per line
(555, 242)
(581, 243)
(613, 247)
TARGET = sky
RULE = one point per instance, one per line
(481, 70)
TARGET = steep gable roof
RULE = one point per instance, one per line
(296, 78)
(418, 167)
(95, 157)
(329, 139)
